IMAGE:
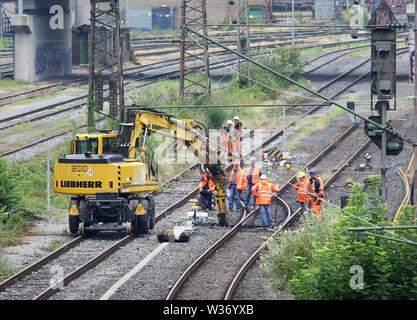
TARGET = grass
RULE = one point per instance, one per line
(6, 269)
(40, 97)
(311, 125)
(53, 245)
(32, 177)
(7, 84)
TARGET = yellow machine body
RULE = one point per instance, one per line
(110, 174)
(93, 175)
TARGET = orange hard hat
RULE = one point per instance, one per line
(236, 163)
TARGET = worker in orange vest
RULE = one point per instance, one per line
(264, 190)
(303, 188)
(237, 183)
(254, 176)
(237, 137)
(206, 188)
(226, 142)
(316, 193)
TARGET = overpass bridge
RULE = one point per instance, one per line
(43, 38)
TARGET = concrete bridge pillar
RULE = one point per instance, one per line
(43, 40)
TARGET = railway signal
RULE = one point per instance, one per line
(394, 144)
(383, 26)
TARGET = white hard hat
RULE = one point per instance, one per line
(229, 122)
(263, 177)
(236, 118)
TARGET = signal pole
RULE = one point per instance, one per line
(292, 23)
(415, 108)
(243, 36)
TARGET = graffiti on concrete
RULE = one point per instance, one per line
(52, 59)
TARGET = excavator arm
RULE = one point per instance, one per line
(143, 121)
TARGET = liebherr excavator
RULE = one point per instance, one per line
(108, 181)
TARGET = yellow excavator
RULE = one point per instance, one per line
(110, 183)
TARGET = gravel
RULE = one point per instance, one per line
(256, 285)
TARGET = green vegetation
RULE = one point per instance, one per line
(312, 124)
(6, 84)
(12, 218)
(238, 91)
(23, 195)
(6, 270)
(315, 260)
(53, 245)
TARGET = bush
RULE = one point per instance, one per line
(389, 267)
(9, 192)
(286, 61)
(294, 249)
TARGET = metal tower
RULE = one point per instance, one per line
(105, 58)
(195, 74)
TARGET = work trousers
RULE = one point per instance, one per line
(249, 195)
(316, 208)
(235, 193)
(265, 211)
(302, 206)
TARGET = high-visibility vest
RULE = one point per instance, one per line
(226, 144)
(320, 191)
(241, 179)
(264, 191)
(238, 131)
(206, 182)
(255, 175)
(302, 188)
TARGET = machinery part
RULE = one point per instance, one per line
(73, 223)
(73, 216)
(151, 209)
(128, 227)
(83, 232)
(144, 219)
(222, 219)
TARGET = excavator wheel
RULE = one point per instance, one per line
(135, 223)
(73, 220)
(73, 223)
(144, 219)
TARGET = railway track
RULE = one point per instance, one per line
(75, 104)
(24, 284)
(162, 214)
(250, 262)
(193, 282)
(129, 72)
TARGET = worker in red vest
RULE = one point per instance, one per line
(316, 193)
(237, 137)
(237, 183)
(303, 188)
(264, 192)
(254, 176)
(226, 142)
(206, 188)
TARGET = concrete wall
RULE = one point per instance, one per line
(81, 10)
(41, 52)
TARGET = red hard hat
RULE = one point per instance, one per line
(236, 163)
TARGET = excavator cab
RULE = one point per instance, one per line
(99, 143)
(110, 174)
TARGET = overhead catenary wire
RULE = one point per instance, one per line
(270, 173)
(387, 128)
